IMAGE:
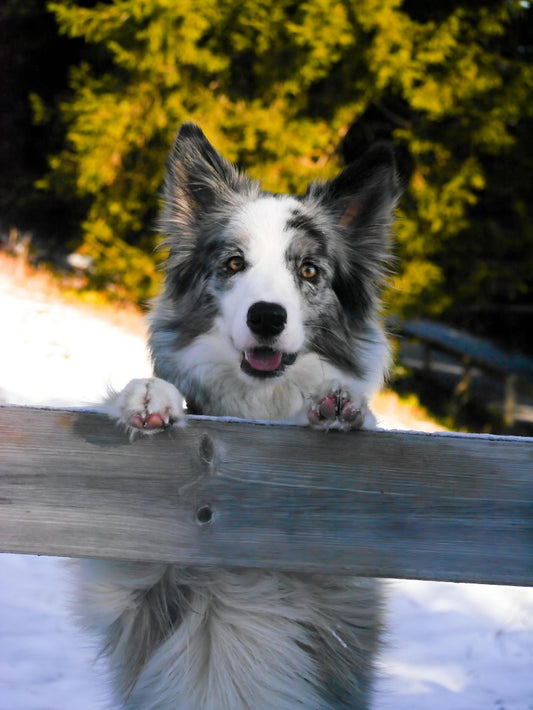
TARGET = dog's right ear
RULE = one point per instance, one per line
(199, 181)
(361, 202)
(201, 190)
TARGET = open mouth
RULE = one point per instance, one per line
(265, 362)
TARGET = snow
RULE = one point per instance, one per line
(458, 647)
(45, 663)
(449, 646)
(57, 354)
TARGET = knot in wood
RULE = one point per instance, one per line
(204, 514)
(207, 448)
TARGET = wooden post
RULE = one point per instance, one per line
(462, 388)
(509, 402)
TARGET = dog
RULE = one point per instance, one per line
(269, 311)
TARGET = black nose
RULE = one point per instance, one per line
(266, 319)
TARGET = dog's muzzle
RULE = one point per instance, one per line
(266, 321)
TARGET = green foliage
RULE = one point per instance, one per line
(280, 87)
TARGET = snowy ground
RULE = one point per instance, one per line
(450, 647)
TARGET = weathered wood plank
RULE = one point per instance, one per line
(373, 503)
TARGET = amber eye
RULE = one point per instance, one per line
(236, 263)
(308, 271)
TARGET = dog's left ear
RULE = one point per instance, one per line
(361, 201)
(198, 181)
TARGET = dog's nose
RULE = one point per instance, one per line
(266, 319)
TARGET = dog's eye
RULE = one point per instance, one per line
(236, 263)
(308, 271)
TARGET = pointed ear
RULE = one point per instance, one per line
(361, 202)
(198, 181)
(367, 190)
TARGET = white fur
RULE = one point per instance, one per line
(228, 654)
(149, 395)
(260, 226)
(220, 639)
(213, 360)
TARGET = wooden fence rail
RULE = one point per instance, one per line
(385, 504)
(473, 352)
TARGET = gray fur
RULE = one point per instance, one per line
(219, 639)
(295, 641)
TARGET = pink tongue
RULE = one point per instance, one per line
(264, 359)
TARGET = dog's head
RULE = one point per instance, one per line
(274, 275)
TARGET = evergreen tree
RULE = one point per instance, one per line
(286, 89)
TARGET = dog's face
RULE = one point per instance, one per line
(260, 299)
(274, 276)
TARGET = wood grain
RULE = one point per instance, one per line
(384, 504)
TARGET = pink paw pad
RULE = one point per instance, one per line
(327, 408)
(352, 414)
(151, 421)
(336, 407)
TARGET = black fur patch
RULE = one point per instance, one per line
(301, 222)
(359, 203)
(194, 316)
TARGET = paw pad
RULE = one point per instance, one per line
(336, 410)
(154, 420)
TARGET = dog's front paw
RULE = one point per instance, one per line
(338, 409)
(148, 405)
